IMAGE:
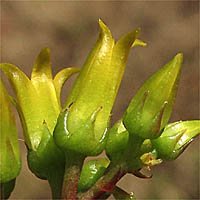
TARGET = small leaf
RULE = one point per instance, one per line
(91, 172)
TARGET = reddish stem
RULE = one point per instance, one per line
(105, 184)
(72, 174)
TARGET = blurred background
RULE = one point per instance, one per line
(70, 29)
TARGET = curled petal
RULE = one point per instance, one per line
(63, 76)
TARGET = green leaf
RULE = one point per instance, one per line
(91, 172)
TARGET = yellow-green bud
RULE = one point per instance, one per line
(83, 125)
(10, 160)
(150, 109)
(38, 98)
(175, 138)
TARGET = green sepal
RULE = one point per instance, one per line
(150, 109)
(77, 141)
(175, 138)
(10, 159)
(47, 157)
(91, 172)
(117, 141)
(6, 189)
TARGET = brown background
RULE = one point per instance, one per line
(70, 29)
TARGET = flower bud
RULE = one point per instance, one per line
(38, 98)
(175, 138)
(83, 125)
(38, 104)
(150, 109)
(10, 161)
(91, 172)
(149, 159)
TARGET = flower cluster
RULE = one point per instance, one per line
(56, 134)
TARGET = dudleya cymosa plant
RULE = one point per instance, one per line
(59, 138)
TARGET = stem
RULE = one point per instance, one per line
(105, 184)
(6, 189)
(132, 155)
(73, 165)
(55, 179)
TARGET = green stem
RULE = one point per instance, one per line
(105, 184)
(133, 153)
(73, 165)
(6, 189)
(55, 179)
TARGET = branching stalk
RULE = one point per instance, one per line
(73, 167)
(105, 184)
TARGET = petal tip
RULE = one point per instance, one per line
(104, 28)
(179, 57)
